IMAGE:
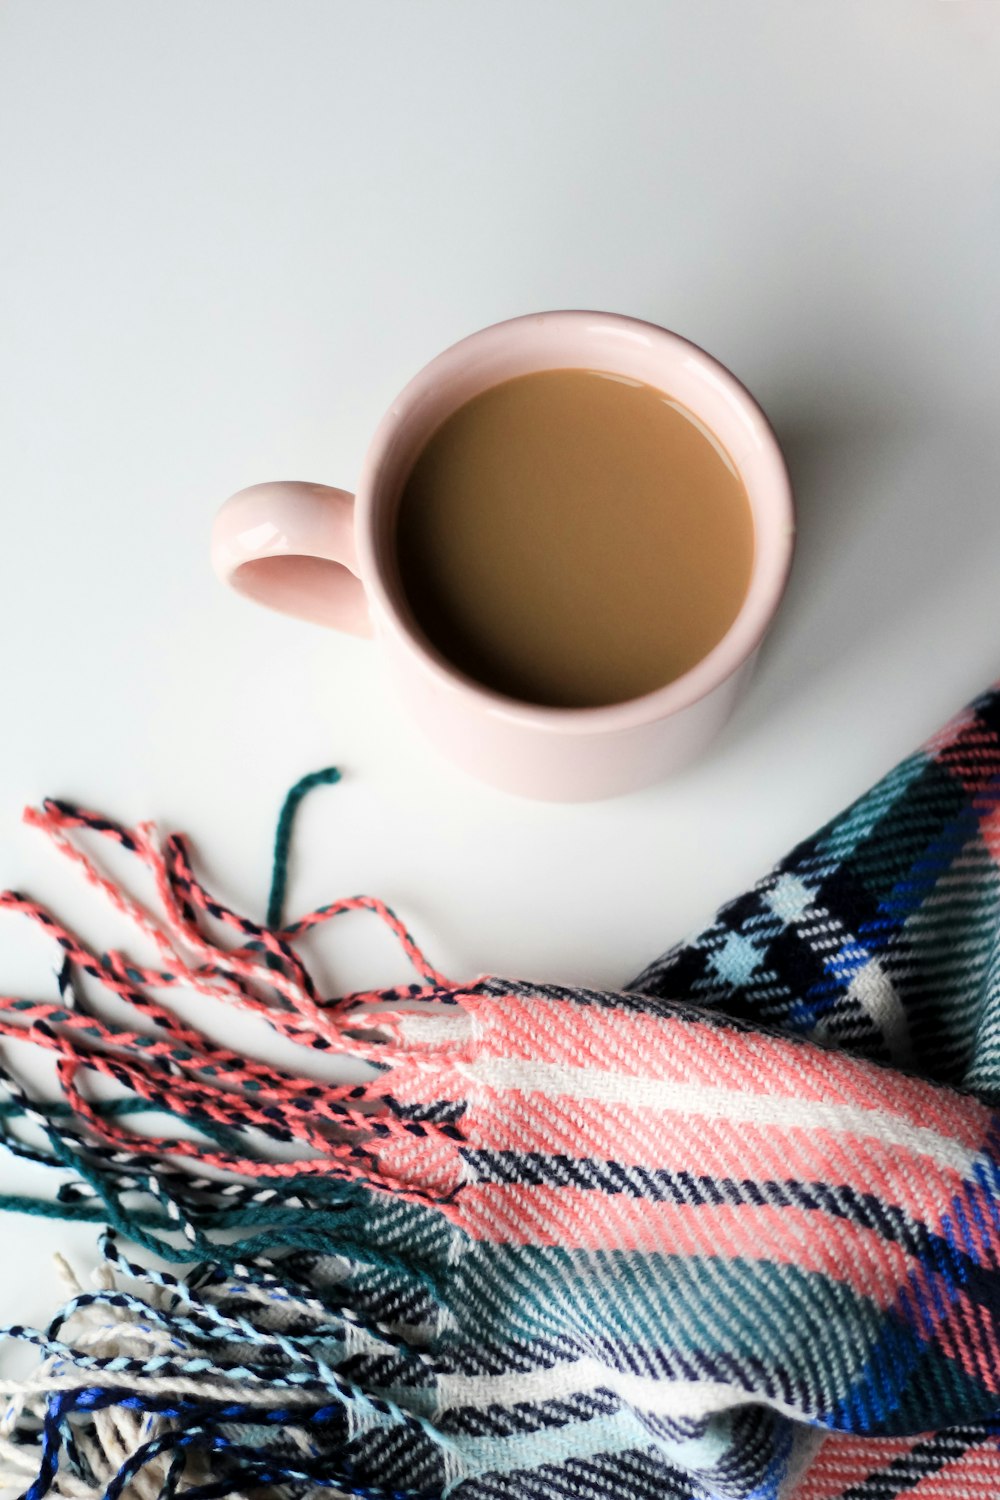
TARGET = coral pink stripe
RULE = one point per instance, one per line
(844, 1461)
(968, 1336)
(669, 1048)
(974, 1476)
(971, 757)
(520, 1215)
(945, 737)
(989, 827)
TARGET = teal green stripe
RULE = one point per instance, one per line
(840, 838)
(800, 1323)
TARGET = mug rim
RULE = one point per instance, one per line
(769, 572)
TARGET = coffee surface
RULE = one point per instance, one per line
(571, 538)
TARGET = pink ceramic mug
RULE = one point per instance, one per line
(327, 556)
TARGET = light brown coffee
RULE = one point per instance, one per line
(573, 538)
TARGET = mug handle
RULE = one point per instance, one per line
(291, 546)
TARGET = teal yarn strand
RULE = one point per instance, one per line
(283, 838)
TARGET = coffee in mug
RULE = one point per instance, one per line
(574, 538)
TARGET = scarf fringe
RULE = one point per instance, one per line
(263, 1188)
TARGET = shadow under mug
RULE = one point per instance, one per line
(327, 556)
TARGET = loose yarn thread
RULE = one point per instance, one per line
(283, 840)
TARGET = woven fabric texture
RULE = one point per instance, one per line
(732, 1233)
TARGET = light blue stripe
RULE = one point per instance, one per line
(504, 1455)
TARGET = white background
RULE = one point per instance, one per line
(232, 231)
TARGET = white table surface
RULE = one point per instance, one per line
(232, 231)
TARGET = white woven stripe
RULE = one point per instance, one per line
(647, 1393)
(873, 990)
(602, 1087)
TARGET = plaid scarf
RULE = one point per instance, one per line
(730, 1234)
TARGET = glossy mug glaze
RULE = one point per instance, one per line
(327, 556)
